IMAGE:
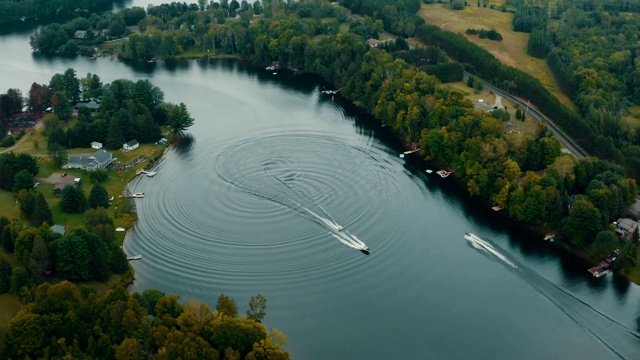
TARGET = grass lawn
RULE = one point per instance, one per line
(512, 50)
(8, 206)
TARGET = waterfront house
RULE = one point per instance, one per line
(131, 145)
(626, 227)
(98, 160)
(96, 145)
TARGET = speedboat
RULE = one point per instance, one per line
(339, 228)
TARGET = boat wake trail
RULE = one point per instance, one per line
(615, 336)
(276, 190)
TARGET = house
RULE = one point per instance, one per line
(98, 160)
(105, 32)
(626, 227)
(373, 42)
(57, 229)
(96, 145)
(80, 34)
(509, 128)
(91, 105)
(131, 145)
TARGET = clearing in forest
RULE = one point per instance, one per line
(512, 50)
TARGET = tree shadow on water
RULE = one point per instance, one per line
(183, 143)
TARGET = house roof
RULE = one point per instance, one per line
(80, 34)
(508, 127)
(96, 143)
(57, 229)
(91, 105)
(627, 225)
(101, 156)
(132, 143)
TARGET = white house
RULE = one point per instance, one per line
(131, 145)
(98, 160)
(96, 145)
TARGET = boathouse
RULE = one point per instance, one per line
(626, 227)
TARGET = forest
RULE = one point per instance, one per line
(13, 11)
(75, 322)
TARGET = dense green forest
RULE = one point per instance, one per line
(12, 11)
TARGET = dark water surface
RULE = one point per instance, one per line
(250, 205)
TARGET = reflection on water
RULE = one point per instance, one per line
(183, 143)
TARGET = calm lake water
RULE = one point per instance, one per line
(250, 205)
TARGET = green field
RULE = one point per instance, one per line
(512, 50)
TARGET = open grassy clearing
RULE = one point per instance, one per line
(512, 50)
(529, 126)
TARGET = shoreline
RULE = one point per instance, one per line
(539, 230)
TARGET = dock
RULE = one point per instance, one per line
(148, 173)
(135, 257)
(603, 267)
(136, 195)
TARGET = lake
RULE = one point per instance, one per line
(253, 203)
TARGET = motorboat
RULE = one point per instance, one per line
(339, 228)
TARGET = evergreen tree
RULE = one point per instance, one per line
(27, 201)
(41, 211)
(179, 117)
(98, 197)
(115, 139)
(73, 200)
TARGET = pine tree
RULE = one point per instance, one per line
(41, 211)
(115, 139)
(98, 197)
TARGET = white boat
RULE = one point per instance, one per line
(339, 228)
(120, 229)
(275, 73)
(429, 171)
(136, 257)
(151, 173)
(270, 68)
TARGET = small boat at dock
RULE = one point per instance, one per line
(429, 171)
(602, 268)
(443, 173)
(135, 257)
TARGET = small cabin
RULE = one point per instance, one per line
(96, 145)
(131, 145)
